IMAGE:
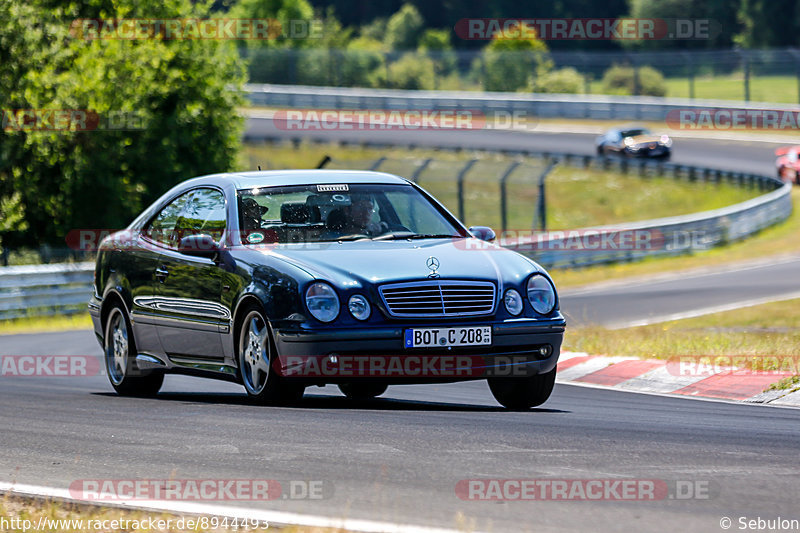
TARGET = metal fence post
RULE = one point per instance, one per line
(378, 162)
(461, 176)
(503, 204)
(420, 169)
(746, 66)
(541, 209)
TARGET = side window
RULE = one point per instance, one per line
(162, 228)
(203, 212)
(197, 211)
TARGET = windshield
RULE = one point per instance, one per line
(635, 132)
(318, 213)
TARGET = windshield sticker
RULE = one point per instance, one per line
(255, 237)
(333, 188)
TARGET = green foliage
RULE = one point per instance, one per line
(512, 64)
(404, 28)
(176, 95)
(769, 23)
(722, 15)
(412, 71)
(621, 80)
(374, 30)
(283, 11)
(566, 80)
(436, 44)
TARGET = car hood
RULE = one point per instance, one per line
(371, 262)
(646, 139)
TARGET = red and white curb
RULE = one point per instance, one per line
(653, 376)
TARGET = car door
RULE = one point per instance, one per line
(189, 305)
(140, 265)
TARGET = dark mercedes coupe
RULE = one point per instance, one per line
(287, 279)
(634, 141)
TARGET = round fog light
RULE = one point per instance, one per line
(359, 307)
(545, 350)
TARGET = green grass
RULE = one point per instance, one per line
(44, 324)
(769, 329)
(781, 89)
(776, 240)
(576, 197)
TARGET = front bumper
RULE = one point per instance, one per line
(658, 151)
(94, 313)
(520, 347)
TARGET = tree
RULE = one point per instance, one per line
(510, 64)
(769, 23)
(720, 14)
(404, 28)
(175, 100)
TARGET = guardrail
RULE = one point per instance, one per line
(41, 290)
(532, 105)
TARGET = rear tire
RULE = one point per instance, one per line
(120, 357)
(255, 351)
(362, 391)
(523, 393)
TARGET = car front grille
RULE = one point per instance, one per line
(439, 298)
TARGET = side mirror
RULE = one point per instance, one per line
(483, 233)
(200, 245)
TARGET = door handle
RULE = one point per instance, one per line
(161, 274)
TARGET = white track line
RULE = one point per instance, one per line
(689, 273)
(706, 311)
(198, 508)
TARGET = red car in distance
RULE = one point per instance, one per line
(788, 163)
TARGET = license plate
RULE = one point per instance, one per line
(444, 337)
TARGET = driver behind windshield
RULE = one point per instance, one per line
(354, 219)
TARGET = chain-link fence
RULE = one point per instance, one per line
(749, 75)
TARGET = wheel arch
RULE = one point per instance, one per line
(111, 297)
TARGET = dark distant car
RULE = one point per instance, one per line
(788, 164)
(634, 141)
(286, 279)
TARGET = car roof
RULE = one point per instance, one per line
(275, 178)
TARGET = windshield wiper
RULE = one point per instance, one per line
(410, 235)
(357, 237)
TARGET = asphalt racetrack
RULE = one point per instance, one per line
(400, 458)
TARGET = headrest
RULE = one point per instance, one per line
(250, 205)
(299, 213)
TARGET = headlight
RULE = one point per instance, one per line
(666, 141)
(513, 302)
(322, 301)
(541, 294)
(359, 307)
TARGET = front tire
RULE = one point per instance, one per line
(523, 393)
(362, 391)
(120, 357)
(255, 358)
